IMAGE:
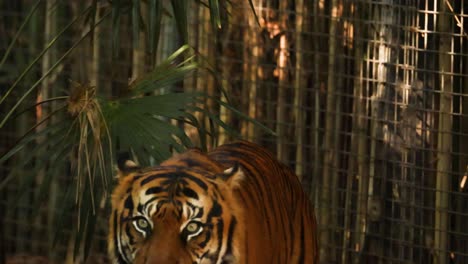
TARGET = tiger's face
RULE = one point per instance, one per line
(174, 214)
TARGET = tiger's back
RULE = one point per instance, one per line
(243, 205)
(280, 223)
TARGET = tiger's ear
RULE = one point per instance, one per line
(125, 165)
(233, 176)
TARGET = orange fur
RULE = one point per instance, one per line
(238, 192)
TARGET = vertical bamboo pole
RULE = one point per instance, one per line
(202, 46)
(428, 127)
(252, 85)
(339, 70)
(300, 83)
(76, 75)
(226, 68)
(414, 214)
(246, 70)
(283, 81)
(444, 138)
(99, 56)
(329, 153)
(139, 48)
(210, 54)
(318, 29)
(190, 84)
(193, 36)
(94, 69)
(71, 238)
(381, 57)
(464, 119)
(119, 69)
(45, 92)
(304, 158)
(358, 148)
(463, 146)
(19, 210)
(362, 157)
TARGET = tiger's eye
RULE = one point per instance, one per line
(193, 227)
(142, 223)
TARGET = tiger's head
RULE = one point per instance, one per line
(182, 211)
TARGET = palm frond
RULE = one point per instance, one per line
(214, 15)
(180, 13)
(86, 133)
(46, 74)
(18, 33)
(167, 73)
(155, 11)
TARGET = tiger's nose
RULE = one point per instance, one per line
(172, 260)
(165, 256)
(165, 250)
(163, 261)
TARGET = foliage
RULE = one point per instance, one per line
(85, 131)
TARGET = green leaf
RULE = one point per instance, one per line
(154, 28)
(244, 116)
(91, 226)
(47, 73)
(143, 124)
(159, 81)
(166, 74)
(18, 33)
(52, 164)
(30, 66)
(57, 141)
(167, 105)
(214, 15)
(62, 220)
(31, 137)
(180, 15)
(218, 121)
(202, 132)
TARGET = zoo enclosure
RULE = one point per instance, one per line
(368, 100)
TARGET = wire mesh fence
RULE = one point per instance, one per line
(368, 100)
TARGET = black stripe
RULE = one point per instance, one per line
(220, 227)
(155, 190)
(215, 211)
(200, 212)
(128, 204)
(190, 193)
(195, 208)
(152, 178)
(232, 226)
(204, 242)
(246, 246)
(301, 256)
(116, 241)
(190, 162)
(199, 182)
(174, 176)
(131, 239)
(140, 208)
(250, 159)
(292, 234)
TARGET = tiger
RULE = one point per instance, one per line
(234, 204)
